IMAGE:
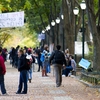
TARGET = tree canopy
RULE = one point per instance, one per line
(37, 12)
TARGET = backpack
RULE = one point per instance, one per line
(58, 56)
(28, 61)
(44, 56)
(33, 59)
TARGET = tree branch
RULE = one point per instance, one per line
(97, 14)
(40, 14)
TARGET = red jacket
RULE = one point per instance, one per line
(2, 65)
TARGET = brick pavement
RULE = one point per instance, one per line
(43, 88)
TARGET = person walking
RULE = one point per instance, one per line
(58, 59)
(38, 55)
(16, 56)
(31, 58)
(22, 68)
(34, 60)
(2, 73)
(13, 56)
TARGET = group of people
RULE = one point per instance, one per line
(63, 63)
(24, 60)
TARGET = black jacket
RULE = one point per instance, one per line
(21, 63)
(57, 57)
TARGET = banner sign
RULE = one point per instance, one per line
(78, 48)
(84, 63)
(13, 19)
(41, 36)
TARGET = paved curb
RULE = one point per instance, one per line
(86, 83)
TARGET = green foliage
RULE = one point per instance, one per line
(96, 5)
(27, 5)
(23, 37)
(90, 55)
(4, 36)
(28, 42)
(37, 12)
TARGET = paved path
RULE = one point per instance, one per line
(43, 88)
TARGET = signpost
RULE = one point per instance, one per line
(84, 63)
(13, 19)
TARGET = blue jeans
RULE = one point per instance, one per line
(48, 69)
(39, 63)
(23, 80)
(67, 70)
(30, 73)
(2, 85)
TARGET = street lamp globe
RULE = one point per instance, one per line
(75, 11)
(62, 16)
(43, 31)
(53, 23)
(48, 27)
(58, 20)
(83, 5)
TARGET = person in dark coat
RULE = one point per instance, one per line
(23, 79)
(13, 53)
(57, 58)
(38, 53)
(16, 56)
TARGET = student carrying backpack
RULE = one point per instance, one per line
(57, 58)
(29, 60)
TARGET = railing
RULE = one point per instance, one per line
(94, 79)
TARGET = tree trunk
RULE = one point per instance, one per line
(69, 21)
(95, 34)
(87, 33)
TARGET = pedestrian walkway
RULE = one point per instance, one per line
(44, 88)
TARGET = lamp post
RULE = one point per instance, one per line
(75, 11)
(53, 24)
(58, 21)
(83, 7)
